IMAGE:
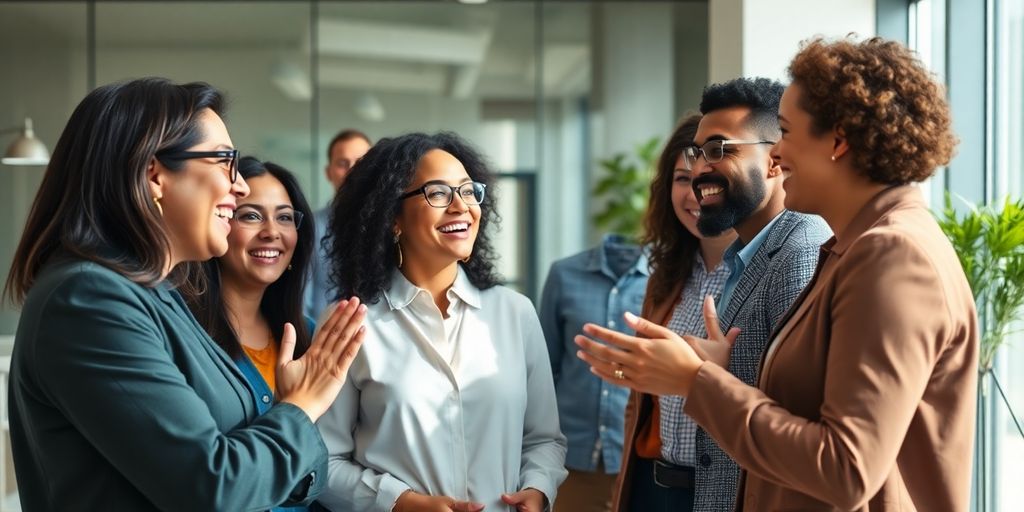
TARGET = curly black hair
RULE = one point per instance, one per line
(360, 240)
(761, 95)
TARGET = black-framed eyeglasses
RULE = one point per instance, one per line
(440, 195)
(714, 150)
(285, 219)
(228, 156)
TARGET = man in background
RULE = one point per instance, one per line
(344, 150)
(597, 285)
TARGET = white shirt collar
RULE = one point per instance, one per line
(401, 292)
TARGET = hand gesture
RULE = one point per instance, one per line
(313, 381)
(661, 364)
(411, 501)
(526, 500)
(717, 348)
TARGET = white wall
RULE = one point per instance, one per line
(759, 37)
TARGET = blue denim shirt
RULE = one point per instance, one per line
(586, 288)
(265, 396)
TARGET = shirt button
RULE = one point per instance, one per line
(615, 291)
(601, 428)
(611, 323)
(705, 460)
(266, 399)
(604, 392)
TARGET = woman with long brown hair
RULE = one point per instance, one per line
(685, 266)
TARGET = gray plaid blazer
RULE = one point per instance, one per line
(779, 270)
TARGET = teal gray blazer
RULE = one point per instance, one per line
(120, 401)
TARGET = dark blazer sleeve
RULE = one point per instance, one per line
(109, 365)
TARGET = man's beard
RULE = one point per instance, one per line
(739, 201)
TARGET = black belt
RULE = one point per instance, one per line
(667, 474)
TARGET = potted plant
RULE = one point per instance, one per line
(625, 190)
(990, 245)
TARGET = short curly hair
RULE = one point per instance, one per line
(360, 240)
(891, 109)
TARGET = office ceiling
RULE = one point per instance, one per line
(442, 48)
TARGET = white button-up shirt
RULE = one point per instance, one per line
(469, 413)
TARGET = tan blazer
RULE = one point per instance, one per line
(866, 399)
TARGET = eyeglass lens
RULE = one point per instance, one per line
(440, 195)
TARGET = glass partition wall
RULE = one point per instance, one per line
(524, 81)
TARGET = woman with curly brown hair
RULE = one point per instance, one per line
(866, 398)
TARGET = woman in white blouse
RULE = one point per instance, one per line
(450, 404)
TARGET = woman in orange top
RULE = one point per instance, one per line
(256, 287)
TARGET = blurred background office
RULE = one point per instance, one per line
(545, 89)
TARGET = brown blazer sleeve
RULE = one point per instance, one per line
(866, 375)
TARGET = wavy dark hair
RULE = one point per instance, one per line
(673, 248)
(360, 240)
(94, 201)
(282, 300)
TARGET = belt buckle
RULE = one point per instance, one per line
(654, 471)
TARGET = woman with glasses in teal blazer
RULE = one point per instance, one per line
(118, 398)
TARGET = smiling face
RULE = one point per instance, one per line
(437, 237)
(199, 199)
(684, 202)
(731, 190)
(804, 157)
(263, 237)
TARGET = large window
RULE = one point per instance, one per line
(977, 48)
(1007, 74)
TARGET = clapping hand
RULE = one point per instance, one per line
(661, 363)
(313, 381)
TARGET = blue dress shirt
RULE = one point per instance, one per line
(738, 257)
(598, 286)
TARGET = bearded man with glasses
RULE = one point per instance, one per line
(670, 463)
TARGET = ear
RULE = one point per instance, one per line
(774, 169)
(839, 143)
(155, 179)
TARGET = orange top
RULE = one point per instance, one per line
(648, 440)
(265, 361)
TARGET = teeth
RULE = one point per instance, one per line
(266, 253)
(710, 190)
(459, 226)
(224, 213)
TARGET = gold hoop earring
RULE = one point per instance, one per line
(156, 201)
(466, 259)
(289, 266)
